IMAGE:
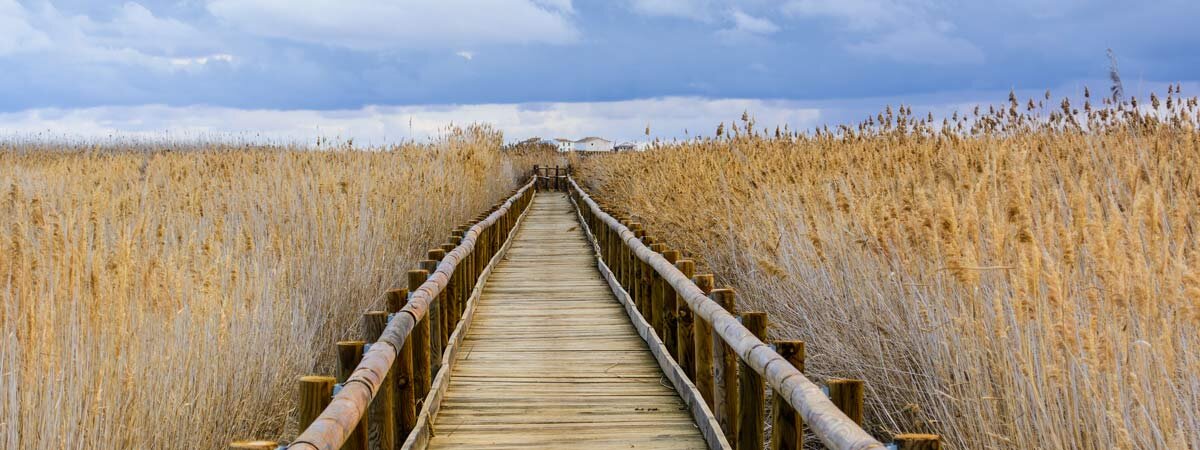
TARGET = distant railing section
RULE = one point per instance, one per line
(723, 354)
(382, 379)
(552, 178)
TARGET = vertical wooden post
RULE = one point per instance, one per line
(917, 442)
(751, 408)
(435, 324)
(685, 354)
(643, 274)
(847, 394)
(420, 342)
(402, 372)
(703, 345)
(445, 310)
(657, 304)
(454, 295)
(349, 355)
(383, 407)
(406, 388)
(631, 273)
(253, 445)
(787, 427)
(725, 364)
(670, 308)
(315, 394)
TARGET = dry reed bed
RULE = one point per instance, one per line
(158, 299)
(1007, 279)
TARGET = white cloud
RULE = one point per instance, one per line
(134, 36)
(620, 120)
(750, 24)
(17, 34)
(384, 25)
(560, 5)
(465, 54)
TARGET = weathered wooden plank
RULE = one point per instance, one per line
(550, 359)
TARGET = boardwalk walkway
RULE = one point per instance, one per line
(551, 360)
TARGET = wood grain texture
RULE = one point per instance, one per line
(551, 360)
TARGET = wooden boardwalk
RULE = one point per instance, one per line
(551, 359)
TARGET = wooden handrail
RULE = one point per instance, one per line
(829, 423)
(333, 427)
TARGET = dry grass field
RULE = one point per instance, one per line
(161, 299)
(1027, 277)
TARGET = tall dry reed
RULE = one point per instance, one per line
(162, 299)
(1025, 277)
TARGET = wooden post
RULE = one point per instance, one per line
(315, 394)
(725, 364)
(752, 405)
(454, 297)
(349, 355)
(787, 427)
(420, 342)
(406, 390)
(443, 299)
(656, 303)
(917, 442)
(703, 345)
(670, 307)
(847, 394)
(436, 332)
(253, 445)
(383, 407)
(402, 370)
(685, 354)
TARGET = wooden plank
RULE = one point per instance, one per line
(550, 358)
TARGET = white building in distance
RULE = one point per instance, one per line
(587, 144)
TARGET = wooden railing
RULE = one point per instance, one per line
(379, 388)
(723, 354)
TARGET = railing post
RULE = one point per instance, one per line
(350, 353)
(406, 387)
(454, 296)
(917, 442)
(434, 317)
(316, 392)
(787, 427)
(642, 284)
(847, 394)
(702, 334)
(443, 300)
(725, 364)
(670, 308)
(655, 302)
(751, 408)
(383, 407)
(420, 342)
(402, 386)
(685, 354)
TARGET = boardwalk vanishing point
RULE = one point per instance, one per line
(549, 322)
(551, 359)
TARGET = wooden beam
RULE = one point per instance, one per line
(787, 427)
(751, 406)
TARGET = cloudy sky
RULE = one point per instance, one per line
(389, 70)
